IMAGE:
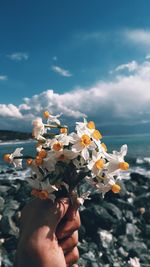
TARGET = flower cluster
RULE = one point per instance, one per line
(63, 160)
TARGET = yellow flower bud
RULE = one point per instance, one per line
(124, 166)
(38, 160)
(99, 164)
(115, 188)
(6, 157)
(63, 130)
(46, 114)
(42, 154)
(97, 135)
(91, 125)
(29, 161)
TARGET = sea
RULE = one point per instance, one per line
(138, 155)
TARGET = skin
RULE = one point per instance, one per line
(48, 234)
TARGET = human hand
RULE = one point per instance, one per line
(48, 234)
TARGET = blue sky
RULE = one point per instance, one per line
(87, 52)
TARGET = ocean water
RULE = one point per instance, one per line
(138, 154)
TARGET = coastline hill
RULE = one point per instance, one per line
(6, 135)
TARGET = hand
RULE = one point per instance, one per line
(48, 234)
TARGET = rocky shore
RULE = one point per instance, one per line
(114, 230)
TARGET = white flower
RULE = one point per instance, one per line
(89, 128)
(59, 142)
(43, 186)
(38, 129)
(50, 161)
(101, 185)
(34, 169)
(85, 126)
(81, 143)
(16, 162)
(64, 138)
(97, 163)
(53, 119)
(65, 155)
(116, 160)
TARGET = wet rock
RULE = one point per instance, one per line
(142, 200)
(138, 178)
(106, 238)
(2, 201)
(4, 189)
(129, 217)
(146, 231)
(113, 210)
(136, 249)
(122, 252)
(131, 230)
(8, 226)
(120, 228)
(100, 218)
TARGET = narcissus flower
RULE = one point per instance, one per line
(116, 160)
(38, 129)
(97, 163)
(53, 119)
(15, 158)
(82, 143)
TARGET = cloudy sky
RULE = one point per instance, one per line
(77, 57)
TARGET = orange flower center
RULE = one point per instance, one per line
(91, 125)
(99, 164)
(104, 146)
(6, 157)
(42, 153)
(29, 161)
(63, 130)
(115, 188)
(85, 140)
(38, 160)
(43, 194)
(124, 166)
(46, 114)
(57, 146)
(97, 135)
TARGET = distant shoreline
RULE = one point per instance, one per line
(6, 135)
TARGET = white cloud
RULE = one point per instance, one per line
(3, 77)
(131, 66)
(61, 71)
(9, 110)
(138, 36)
(124, 100)
(18, 56)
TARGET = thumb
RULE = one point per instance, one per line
(61, 208)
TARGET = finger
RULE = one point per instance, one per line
(62, 207)
(72, 256)
(71, 224)
(72, 211)
(69, 243)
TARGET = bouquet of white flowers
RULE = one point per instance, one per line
(63, 160)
